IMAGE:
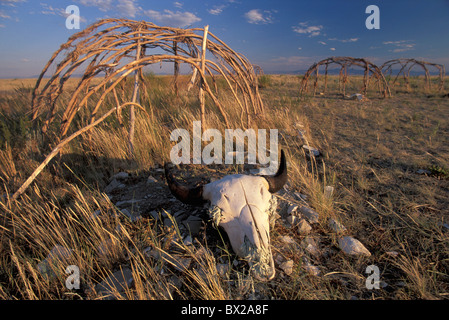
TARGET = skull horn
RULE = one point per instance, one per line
(277, 181)
(192, 196)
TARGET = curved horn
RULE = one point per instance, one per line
(192, 196)
(277, 181)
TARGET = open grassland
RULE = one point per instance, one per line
(387, 159)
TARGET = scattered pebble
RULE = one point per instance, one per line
(336, 226)
(352, 246)
(311, 215)
(287, 267)
(304, 227)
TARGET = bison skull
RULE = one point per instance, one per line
(242, 205)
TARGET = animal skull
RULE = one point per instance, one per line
(242, 205)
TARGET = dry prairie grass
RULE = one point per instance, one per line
(371, 150)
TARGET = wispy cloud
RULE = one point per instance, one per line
(178, 4)
(11, 3)
(322, 42)
(344, 40)
(49, 10)
(216, 10)
(173, 19)
(400, 45)
(304, 28)
(3, 15)
(256, 16)
(103, 5)
(128, 7)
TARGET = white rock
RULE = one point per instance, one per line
(352, 246)
(356, 96)
(311, 150)
(336, 226)
(287, 267)
(309, 268)
(304, 227)
(311, 215)
(310, 245)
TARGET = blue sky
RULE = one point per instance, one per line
(280, 36)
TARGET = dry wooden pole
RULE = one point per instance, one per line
(176, 68)
(132, 112)
(325, 78)
(202, 80)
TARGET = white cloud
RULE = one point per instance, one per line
(216, 10)
(178, 4)
(322, 42)
(332, 49)
(400, 45)
(173, 19)
(11, 3)
(49, 10)
(3, 15)
(128, 7)
(304, 28)
(103, 5)
(344, 40)
(256, 16)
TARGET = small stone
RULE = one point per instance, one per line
(193, 224)
(352, 246)
(222, 269)
(287, 267)
(154, 214)
(292, 209)
(423, 171)
(336, 226)
(187, 241)
(151, 180)
(310, 269)
(121, 176)
(311, 246)
(116, 283)
(127, 202)
(115, 184)
(311, 151)
(132, 216)
(292, 220)
(311, 215)
(304, 227)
